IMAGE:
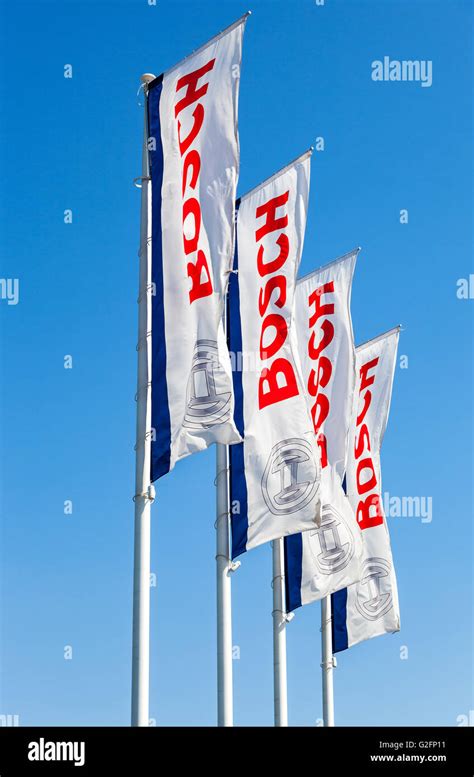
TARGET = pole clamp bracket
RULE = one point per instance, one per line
(149, 495)
(284, 617)
(331, 664)
(137, 182)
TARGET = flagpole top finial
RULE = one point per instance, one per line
(147, 77)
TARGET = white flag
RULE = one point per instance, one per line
(194, 154)
(275, 473)
(370, 607)
(324, 560)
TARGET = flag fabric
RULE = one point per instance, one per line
(194, 156)
(275, 472)
(326, 559)
(370, 607)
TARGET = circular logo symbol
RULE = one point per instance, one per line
(332, 544)
(290, 478)
(374, 595)
(206, 404)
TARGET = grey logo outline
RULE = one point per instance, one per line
(288, 454)
(337, 558)
(206, 410)
(374, 607)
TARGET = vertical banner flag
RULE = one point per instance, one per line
(275, 472)
(326, 559)
(194, 154)
(370, 607)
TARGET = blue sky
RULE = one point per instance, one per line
(68, 434)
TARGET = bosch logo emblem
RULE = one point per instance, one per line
(332, 544)
(283, 490)
(374, 597)
(205, 406)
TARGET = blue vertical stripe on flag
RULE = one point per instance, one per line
(339, 621)
(238, 500)
(238, 484)
(340, 637)
(160, 417)
(293, 570)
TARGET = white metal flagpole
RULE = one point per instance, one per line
(280, 619)
(144, 491)
(328, 662)
(224, 566)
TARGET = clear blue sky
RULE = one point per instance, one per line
(69, 434)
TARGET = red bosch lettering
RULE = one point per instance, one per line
(321, 373)
(369, 508)
(197, 265)
(277, 381)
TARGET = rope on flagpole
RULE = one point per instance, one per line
(331, 662)
(141, 88)
(287, 617)
(220, 517)
(142, 388)
(147, 436)
(144, 489)
(226, 513)
(146, 291)
(221, 472)
(232, 565)
(279, 617)
(327, 661)
(147, 242)
(142, 340)
(224, 565)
